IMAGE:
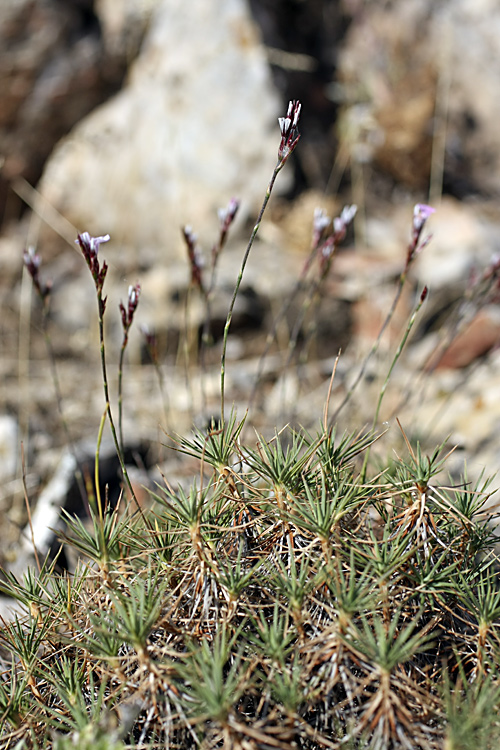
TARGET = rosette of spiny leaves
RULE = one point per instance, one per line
(279, 464)
(417, 505)
(216, 446)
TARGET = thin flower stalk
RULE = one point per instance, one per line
(151, 343)
(188, 344)
(325, 252)
(320, 223)
(399, 351)
(395, 360)
(226, 218)
(323, 246)
(289, 139)
(205, 287)
(421, 213)
(90, 248)
(127, 316)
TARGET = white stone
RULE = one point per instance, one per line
(196, 124)
(462, 239)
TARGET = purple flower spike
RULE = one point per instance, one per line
(90, 248)
(195, 257)
(32, 261)
(320, 222)
(90, 245)
(226, 215)
(289, 131)
(133, 301)
(421, 213)
(341, 222)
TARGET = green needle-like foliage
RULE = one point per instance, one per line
(273, 635)
(385, 646)
(215, 447)
(351, 588)
(335, 454)
(80, 700)
(472, 714)
(283, 603)
(321, 507)
(109, 539)
(282, 465)
(137, 603)
(213, 678)
(14, 705)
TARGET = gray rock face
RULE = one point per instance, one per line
(195, 124)
(425, 79)
(54, 69)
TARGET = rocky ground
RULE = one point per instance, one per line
(383, 163)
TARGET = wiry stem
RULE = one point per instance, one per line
(289, 139)
(120, 393)
(90, 247)
(391, 368)
(421, 213)
(229, 317)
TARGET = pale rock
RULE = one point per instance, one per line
(9, 447)
(479, 337)
(196, 124)
(123, 24)
(463, 239)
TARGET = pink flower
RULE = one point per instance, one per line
(133, 300)
(421, 213)
(226, 215)
(90, 245)
(90, 248)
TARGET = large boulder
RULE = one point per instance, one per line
(195, 124)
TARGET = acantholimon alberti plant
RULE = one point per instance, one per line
(291, 596)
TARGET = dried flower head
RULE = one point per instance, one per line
(340, 223)
(32, 261)
(421, 213)
(90, 245)
(328, 247)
